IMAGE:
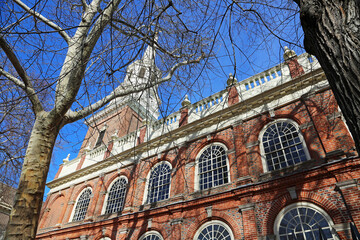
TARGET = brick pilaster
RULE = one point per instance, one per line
(249, 221)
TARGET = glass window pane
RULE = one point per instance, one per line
(282, 145)
(304, 222)
(216, 171)
(159, 183)
(82, 205)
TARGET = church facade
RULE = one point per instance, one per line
(269, 157)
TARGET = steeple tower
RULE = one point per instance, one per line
(145, 72)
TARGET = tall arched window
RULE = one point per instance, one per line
(82, 205)
(212, 167)
(282, 145)
(214, 230)
(159, 182)
(151, 235)
(303, 220)
(116, 196)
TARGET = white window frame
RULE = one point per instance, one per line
(108, 192)
(197, 173)
(262, 151)
(146, 191)
(156, 233)
(202, 227)
(286, 209)
(76, 202)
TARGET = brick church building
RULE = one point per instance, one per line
(269, 157)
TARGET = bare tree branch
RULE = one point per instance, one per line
(26, 85)
(12, 78)
(48, 22)
(15, 23)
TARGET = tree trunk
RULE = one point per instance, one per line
(29, 195)
(332, 34)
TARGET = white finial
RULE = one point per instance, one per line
(231, 80)
(288, 53)
(66, 159)
(88, 148)
(186, 101)
(115, 135)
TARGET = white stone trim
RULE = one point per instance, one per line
(211, 223)
(76, 202)
(151, 233)
(108, 191)
(196, 175)
(347, 184)
(246, 207)
(148, 180)
(286, 209)
(261, 134)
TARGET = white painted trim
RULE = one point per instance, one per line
(261, 134)
(286, 209)
(108, 191)
(145, 198)
(151, 233)
(211, 223)
(76, 202)
(196, 175)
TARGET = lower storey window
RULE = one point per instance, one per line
(304, 222)
(214, 230)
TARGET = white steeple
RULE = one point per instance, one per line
(145, 72)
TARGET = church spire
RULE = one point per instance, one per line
(149, 54)
(143, 72)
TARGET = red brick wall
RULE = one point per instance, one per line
(125, 121)
(181, 216)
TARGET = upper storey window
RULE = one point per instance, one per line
(82, 205)
(159, 182)
(213, 167)
(116, 196)
(142, 72)
(283, 145)
(100, 138)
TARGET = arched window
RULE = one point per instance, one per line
(159, 182)
(151, 235)
(214, 230)
(212, 167)
(116, 196)
(282, 145)
(303, 221)
(82, 205)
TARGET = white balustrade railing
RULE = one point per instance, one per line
(170, 120)
(99, 151)
(209, 102)
(270, 75)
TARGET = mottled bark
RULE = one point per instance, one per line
(29, 195)
(332, 34)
